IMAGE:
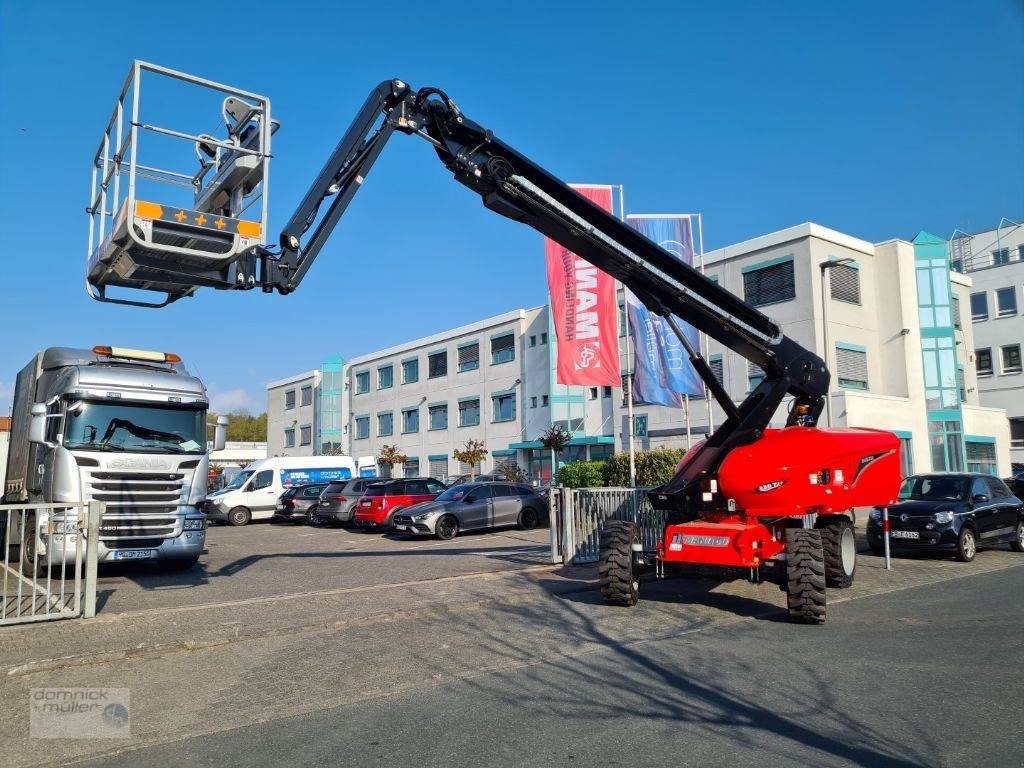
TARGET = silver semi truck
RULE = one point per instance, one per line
(123, 426)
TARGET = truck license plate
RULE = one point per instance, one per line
(135, 554)
(905, 534)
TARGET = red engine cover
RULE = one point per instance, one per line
(797, 470)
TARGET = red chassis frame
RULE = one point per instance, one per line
(788, 473)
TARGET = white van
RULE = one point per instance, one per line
(253, 493)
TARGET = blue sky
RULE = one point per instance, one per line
(875, 118)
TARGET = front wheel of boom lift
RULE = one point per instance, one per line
(805, 576)
(840, 546)
(617, 568)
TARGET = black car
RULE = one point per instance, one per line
(951, 511)
(299, 503)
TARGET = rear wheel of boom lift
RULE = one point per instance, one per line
(805, 576)
(617, 569)
(840, 545)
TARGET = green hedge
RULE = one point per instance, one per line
(652, 467)
(582, 474)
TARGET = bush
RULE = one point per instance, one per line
(652, 467)
(582, 474)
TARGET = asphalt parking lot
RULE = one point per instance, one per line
(266, 559)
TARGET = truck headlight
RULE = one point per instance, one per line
(64, 526)
(943, 517)
(194, 523)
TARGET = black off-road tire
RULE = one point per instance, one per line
(805, 576)
(840, 546)
(617, 569)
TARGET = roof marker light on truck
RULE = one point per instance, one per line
(136, 354)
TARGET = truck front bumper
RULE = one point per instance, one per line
(187, 545)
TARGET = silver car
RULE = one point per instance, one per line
(474, 507)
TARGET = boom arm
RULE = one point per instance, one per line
(512, 185)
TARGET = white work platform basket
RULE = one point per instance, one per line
(173, 209)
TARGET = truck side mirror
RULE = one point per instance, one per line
(220, 433)
(37, 427)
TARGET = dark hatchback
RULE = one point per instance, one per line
(951, 511)
(299, 503)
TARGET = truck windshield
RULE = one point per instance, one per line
(107, 426)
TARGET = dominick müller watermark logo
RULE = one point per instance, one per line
(79, 713)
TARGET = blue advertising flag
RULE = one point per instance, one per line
(670, 369)
(648, 380)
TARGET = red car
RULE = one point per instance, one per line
(381, 501)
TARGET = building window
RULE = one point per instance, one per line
(946, 440)
(622, 318)
(306, 435)
(770, 284)
(533, 341)
(385, 376)
(503, 349)
(1006, 301)
(1017, 433)
(469, 413)
(845, 283)
(439, 467)
(411, 468)
(606, 392)
(957, 322)
(362, 382)
(938, 357)
(983, 361)
(960, 383)
(906, 455)
(544, 401)
(755, 375)
(640, 425)
(410, 371)
(307, 395)
(385, 424)
(851, 367)
(981, 457)
(593, 393)
(289, 438)
(410, 420)
(1011, 358)
(362, 427)
(979, 306)
(533, 402)
(504, 407)
(438, 416)
(715, 364)
(1001, 256)
(289, 399)
(469, 357)
(544, 338)
(1020, 252)
(437, 364)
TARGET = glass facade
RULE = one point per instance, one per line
(332, 394)
(938, 353)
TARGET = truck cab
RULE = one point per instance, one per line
(125, 427)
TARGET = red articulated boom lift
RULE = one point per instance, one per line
(774, 502)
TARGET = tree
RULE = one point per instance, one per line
(513, 473)
(242, 427)
(555, 439)
(390, 456)
(472, 453)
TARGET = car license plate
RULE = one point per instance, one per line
(135, 554)
(905, 534)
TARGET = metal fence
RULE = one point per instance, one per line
(49, 561)
(579, 515)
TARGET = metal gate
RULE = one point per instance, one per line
(582, 513)
(49, 561)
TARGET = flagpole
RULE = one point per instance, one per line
(686, 410)
(629, 362)
(704, 336)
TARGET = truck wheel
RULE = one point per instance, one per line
(840, 545)
(805, 576)
(29, 566)
(239, 516)
(617, 570)
(966, 545)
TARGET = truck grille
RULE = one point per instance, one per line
(139, 504)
